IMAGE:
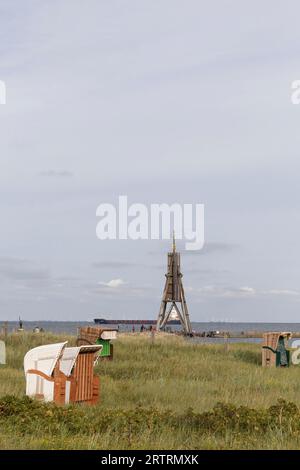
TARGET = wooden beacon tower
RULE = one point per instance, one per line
(173, 295)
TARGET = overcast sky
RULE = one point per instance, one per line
(163, 101)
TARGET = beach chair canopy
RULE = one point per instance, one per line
(70, 355)
(109, 334)
(44, 358)
(92, 334)
(271, 339)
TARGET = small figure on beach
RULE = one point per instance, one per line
(20, 325)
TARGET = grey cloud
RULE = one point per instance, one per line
(205, 272)
(192, 269)
(21, 270)
(125, 264)
(213, 247)
(120, 291)
(208, 248)
(56, 173)
(240, 292)
(113, 264)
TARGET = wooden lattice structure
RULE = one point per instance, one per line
(274, 349)
(173, 295)
(63, 375)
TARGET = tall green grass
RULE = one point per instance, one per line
(158, 395)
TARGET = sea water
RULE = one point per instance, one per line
(71, 327)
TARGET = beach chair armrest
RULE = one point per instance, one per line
(41, 374)
(270, 349)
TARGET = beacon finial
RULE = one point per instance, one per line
(174, 243)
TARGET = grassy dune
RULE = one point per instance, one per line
(161, 395)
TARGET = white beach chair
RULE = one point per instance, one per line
(64, 375)
(41, 366)
(2, 353)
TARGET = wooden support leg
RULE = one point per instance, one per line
(60, 390)
(161, 315)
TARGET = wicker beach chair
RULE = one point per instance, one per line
(98, 335)
(274, 349)
(63, 375)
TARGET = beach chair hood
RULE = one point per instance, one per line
(108, 334)
(70, 355)
(44, 358)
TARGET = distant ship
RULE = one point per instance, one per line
(104, 321)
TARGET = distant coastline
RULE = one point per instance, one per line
(70, 327)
